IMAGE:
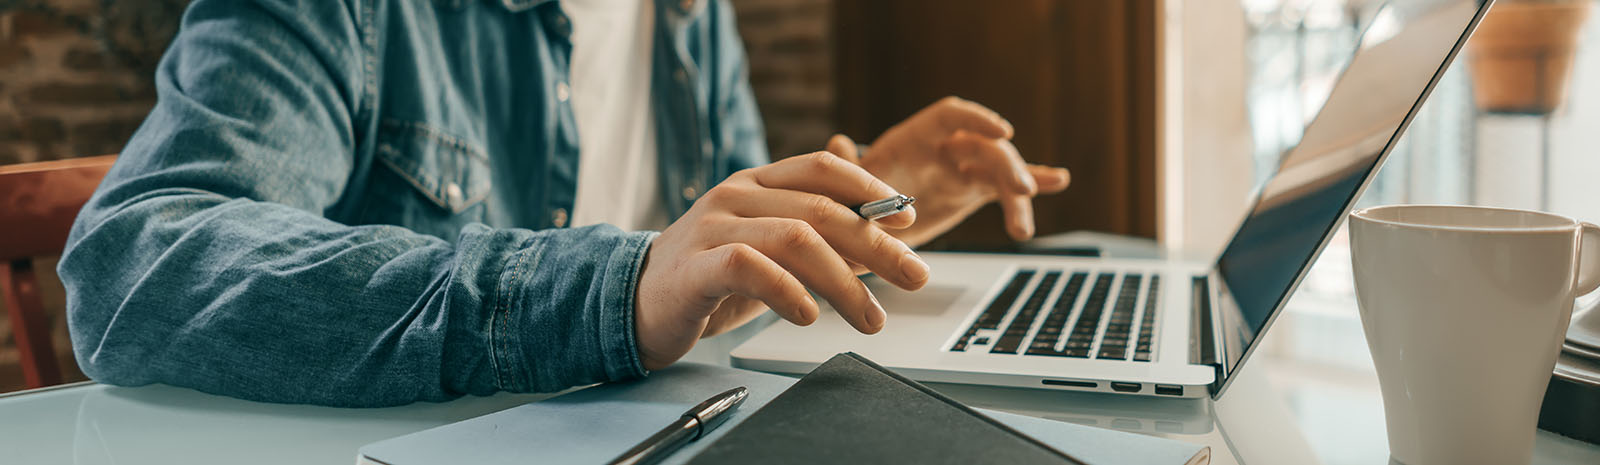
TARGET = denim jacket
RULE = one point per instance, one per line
(362, 202)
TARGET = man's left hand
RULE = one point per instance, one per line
(955, 156)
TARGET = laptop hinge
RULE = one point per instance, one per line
(1204, 348)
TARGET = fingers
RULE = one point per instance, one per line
(798, 248)
(855, 239)
(995, 161)
(1050, 179)
(826, 174)
(1018, 211)
(952, 114)
(733, 312)
(841, 146)
(741, 269)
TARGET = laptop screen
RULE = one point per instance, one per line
(1406, 46)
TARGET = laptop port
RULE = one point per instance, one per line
(1169, 390)
(1071, 383)
(1126, 387)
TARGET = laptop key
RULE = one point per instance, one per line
(961, 343)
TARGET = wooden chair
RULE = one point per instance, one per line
(38, 202)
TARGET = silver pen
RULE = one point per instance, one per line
(886, 207)
(693, 425)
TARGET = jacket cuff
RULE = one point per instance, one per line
(619, 290)
(564, 316)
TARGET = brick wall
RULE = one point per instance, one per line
(791, 69)
(75, 80)
(75, 75)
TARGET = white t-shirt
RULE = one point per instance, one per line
(610, 91)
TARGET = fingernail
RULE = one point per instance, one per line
(809, 311)
(876, 318)
(913, 268)
(1024, 228)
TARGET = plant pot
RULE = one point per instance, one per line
(1522, 53)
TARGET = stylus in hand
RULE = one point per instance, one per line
(886, 207)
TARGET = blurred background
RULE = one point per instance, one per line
(1168, 112)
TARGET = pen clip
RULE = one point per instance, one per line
(714, 411)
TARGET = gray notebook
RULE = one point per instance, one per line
(595, 424)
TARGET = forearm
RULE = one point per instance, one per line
(267, 302)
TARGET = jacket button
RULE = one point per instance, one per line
(563, 92)
(452, 195)
(559, 218)
(689, 192)
(681, 76)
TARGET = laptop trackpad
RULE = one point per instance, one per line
(932, 299)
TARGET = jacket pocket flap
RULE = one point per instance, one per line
(448, 170)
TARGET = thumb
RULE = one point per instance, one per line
(841, 146)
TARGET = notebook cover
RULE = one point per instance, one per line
(595, 424)
(850, 410)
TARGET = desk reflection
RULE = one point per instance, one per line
(162, 424)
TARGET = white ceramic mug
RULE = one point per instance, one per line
(1465, 309)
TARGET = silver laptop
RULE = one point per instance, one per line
(1153, 327)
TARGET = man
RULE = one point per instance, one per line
(371, 202)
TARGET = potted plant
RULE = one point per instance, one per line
(1522, 53)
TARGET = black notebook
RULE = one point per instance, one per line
(850, 410)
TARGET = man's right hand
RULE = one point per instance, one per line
(763, 236)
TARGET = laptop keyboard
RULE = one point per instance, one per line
(1018, 329)
(1096, 324)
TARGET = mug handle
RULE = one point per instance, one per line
(1588, 259)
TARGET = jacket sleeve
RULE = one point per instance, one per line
(204, 260)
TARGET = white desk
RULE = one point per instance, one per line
(1331, 423)
(1281, 411)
